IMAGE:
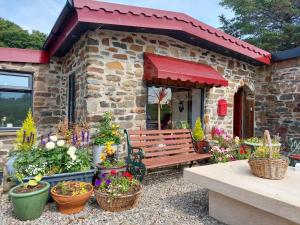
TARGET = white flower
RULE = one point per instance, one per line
(71, 150)
(50, 145)
(60, 143)
(53, 138)
(73, 157)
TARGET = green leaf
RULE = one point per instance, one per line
(32, 183)
(38, 177)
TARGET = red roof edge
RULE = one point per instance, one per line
(24, 55)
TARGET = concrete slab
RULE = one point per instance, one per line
(235, 181)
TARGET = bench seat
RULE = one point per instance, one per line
(149, 149)
(170, 160)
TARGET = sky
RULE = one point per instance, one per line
(42, 14)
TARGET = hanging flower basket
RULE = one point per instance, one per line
(119, 203)
(269, 168)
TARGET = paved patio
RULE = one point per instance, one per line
(167, 200)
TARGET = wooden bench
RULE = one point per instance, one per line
(149, 149)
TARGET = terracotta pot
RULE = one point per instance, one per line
(201, 146)
(71, 204)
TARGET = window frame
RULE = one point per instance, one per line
(19, 89)
(71, 98)
(202, 99)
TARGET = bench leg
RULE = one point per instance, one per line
(138, 170)
(191, 164)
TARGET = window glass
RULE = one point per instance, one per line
(180, 107)
(14, 81)
(13, 108)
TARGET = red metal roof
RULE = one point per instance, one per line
(23, 55)
(123, 15)
(162, 67)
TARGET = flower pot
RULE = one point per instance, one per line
(201, 146)
(274, 169)
(29, 206)
(118, 203)
(99, 149)
(85, 176)
(102, 169)
(71, 204)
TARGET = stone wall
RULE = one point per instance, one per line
(114, 71)
(49, 98)
(278, 99)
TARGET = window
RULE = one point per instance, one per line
(71, 102)
(15, 99)
(179, 107)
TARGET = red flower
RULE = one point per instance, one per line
(113, 172)
(128, 175)
(243, 150)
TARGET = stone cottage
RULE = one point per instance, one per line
(109, 57)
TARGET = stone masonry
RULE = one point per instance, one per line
(278, 99)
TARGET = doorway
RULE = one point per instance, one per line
(243, 115)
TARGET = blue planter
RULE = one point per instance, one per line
(86, 176)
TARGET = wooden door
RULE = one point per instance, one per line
(243, 114)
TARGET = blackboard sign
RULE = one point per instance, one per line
(294, 145)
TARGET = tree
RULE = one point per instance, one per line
(13, 36)
(273, 25)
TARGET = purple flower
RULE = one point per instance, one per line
(97, 183)
(108, 182)
(103, 175)
(88, 137)
(73, 139)
(82, 136)
(43, 142)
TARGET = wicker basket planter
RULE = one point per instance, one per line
(117, 204)
(269, 168)
(274, 169)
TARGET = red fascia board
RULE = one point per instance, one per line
(24, 55)
(164, 67)
(68, 27)
(123, 15)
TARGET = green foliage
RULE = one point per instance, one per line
(71, 188)
(272, 25)
(114, 164)
(26, 136)
(264, 152)
(107, 131)
(198, 131)
(13, 36)
(182, 125)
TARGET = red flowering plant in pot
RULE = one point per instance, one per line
(117, 192)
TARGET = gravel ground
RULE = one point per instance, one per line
(166, 199)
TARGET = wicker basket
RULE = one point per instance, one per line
(117, 204)
(269, 168)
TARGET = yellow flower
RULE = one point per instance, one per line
(102, 157)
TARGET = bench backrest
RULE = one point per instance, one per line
(157, 143)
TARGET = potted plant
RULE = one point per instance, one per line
(29, 199)
(71, 196)
(201, 146)
(266, 161)
(109, 161)
(116, 192)
(57, 158)
(107, 132)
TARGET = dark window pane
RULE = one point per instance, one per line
(13, 108)
(72, 100)
(14, 81)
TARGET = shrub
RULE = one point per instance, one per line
(26, 136)
(198, 131)
(107, 131)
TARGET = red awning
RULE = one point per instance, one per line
(159, 68)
